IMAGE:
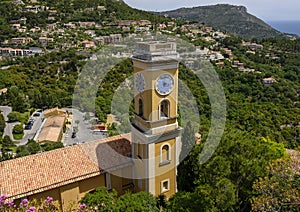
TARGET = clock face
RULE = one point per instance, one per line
(140, 82)
(164, 84)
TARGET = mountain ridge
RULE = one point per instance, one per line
(232, 19)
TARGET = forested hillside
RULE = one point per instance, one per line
(263, 119)
(229, 18)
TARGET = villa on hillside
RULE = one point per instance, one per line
(3, 91)
(268, 81)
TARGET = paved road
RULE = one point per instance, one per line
(6, 110)
(9, 126)
(28, 134)
(85, 134)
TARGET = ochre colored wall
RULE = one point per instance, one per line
(90, 184)
(54, 193)
(151, 98)
(167, 171)
(172, 185)
(69, 195)
(73, 192)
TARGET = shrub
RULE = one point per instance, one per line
(18, 129)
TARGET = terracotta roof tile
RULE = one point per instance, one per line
(110, 152)
(36, 173)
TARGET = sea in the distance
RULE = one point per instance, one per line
(292, 27)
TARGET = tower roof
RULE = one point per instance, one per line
(155, 51)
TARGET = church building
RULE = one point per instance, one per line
(144, 160)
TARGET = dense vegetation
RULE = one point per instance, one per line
(41, 81)
(109, 201)
(226, 179)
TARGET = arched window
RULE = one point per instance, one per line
(164, 109)
(165, 154)
(141, 107)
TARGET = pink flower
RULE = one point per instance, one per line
(10, 204)
(2, 199)
(82, 206)
(31, 209)
(49, 200)
(24, 203)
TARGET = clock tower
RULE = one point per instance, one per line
(156, 141)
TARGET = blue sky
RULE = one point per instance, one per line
(264, 9)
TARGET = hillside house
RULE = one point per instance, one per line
(51, 26)
(15, 26)
(144, 22)
(253, 45)
(21, 40)
(86, 24)
(121, 23)
(35, 29)
(3, 91)
(44, 41)
(15, 52)
(32, 8)
(91, 33)
(70, 25)
(268, 81)
(88, 44)
(18, 2)
(113, 38)
(101, 7)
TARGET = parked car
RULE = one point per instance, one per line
(36, 114)
(73, 135)
(28, 126)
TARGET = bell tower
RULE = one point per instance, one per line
(155, 132)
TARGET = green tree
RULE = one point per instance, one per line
(229, 175)
(18, 129)
(13, 116)
(7, 142)
(141, 201)
(47, 146)
(18, 100)
(33, 147)
(100, 198)
(87, 116)
(2, 124)
(279, 190)
(185, 178)
(112, 129)
(22, 151)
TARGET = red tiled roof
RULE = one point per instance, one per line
(36, 173)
